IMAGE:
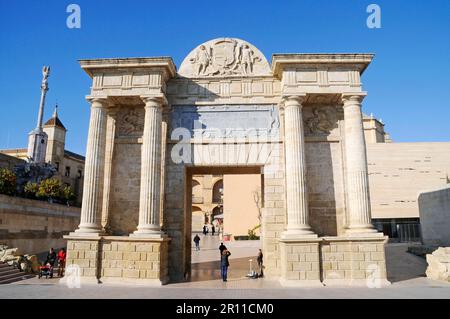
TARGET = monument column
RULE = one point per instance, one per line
(296, 188)
(93, 171)
(149, 204)
(358, 199)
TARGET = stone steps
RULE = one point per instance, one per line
(10, 274)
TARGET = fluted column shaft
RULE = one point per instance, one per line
(358, 199)
(93, 170)
(149, 205)
(109, 150)
(296, 187)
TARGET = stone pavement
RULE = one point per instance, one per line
(405, 271)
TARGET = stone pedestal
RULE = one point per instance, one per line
(354, 261)
(300, 262)
(112, 259)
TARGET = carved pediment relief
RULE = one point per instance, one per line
(224, 57)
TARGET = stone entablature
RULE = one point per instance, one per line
(129, 76)
(320, 73)
(313, 158)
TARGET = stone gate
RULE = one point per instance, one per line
(298, 123)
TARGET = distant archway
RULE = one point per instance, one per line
(218, 191)
(198, 219)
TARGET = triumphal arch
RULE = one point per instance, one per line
(297, 122)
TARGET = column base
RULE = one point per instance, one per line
(354, 261)
(300, 262)
(363, 231)
(84, 231)
(301, 232)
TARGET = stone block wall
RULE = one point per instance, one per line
(325, 187)
(334, 261)
(120, 259)
(349, 260)
(35, 226)
(125, 187)
(300, 260)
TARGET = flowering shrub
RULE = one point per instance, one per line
(7, 182)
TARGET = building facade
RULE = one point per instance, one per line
(69, 165)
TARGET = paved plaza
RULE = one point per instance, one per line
(405, 271)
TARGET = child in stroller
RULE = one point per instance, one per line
(46, 270)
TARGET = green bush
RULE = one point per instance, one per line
(67, 194)
(30, 190)
(49, 189)
(7, 182)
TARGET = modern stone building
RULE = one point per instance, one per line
(297, 123)
(69, 165)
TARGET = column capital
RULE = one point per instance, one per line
(353, 98)
(154, 100)
(294, 100)
(97, 101)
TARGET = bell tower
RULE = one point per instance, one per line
(56, 133)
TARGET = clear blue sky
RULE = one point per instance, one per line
(408, 82)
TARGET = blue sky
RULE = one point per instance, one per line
(408, 82)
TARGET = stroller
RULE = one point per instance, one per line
(46, 270)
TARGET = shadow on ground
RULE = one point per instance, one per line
(401, 265)
(205, 271)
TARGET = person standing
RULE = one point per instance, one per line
(50, 260)
(204, 230)
(260, 263)
(213, 230)
(61, 262)
(222, 247)
(197, 242)
(224, 264)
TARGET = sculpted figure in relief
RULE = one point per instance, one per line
(131, 123)
(319, 122)
(202, 60)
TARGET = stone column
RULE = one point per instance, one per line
(149, 220)
(93, 170)
(358, 201)
(296, 192)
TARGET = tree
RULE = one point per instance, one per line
(49, 189)
(7, 182)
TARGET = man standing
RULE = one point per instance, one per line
(197, 242)
(222, 247)
(224, 264)
(260, 263)
(213, 230)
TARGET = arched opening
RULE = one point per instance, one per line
(218, 192)
(198, 219)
